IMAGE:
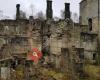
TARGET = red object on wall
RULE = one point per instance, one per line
(35, 54)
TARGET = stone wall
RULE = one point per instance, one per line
(89, 43)
(20, 36)
(89, 9)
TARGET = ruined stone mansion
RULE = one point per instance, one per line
(55, 39)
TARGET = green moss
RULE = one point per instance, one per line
(53, 73)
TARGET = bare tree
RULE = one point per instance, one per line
(62, 14)
(32, 9)
(56, 18)
(22, 15)
(75, 17)
(40, 15)
(2, 16)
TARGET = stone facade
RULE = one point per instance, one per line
(19, 36)
(50, 36)
(89, 9)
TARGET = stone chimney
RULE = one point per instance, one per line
(67, 10)
(31, 18)
(49, 11)
(18, 11)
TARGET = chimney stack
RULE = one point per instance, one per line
(49, 11)
(18, 11)
(67, 10)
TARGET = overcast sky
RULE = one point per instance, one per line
(9, 6)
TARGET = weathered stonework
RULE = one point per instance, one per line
(89, 9)
(18, 37)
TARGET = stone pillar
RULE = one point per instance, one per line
(67, 10)
(18, 11)
(49, 11)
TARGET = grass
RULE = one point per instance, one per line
(93, 72)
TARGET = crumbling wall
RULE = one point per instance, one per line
(89, 9)
(89, 43)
